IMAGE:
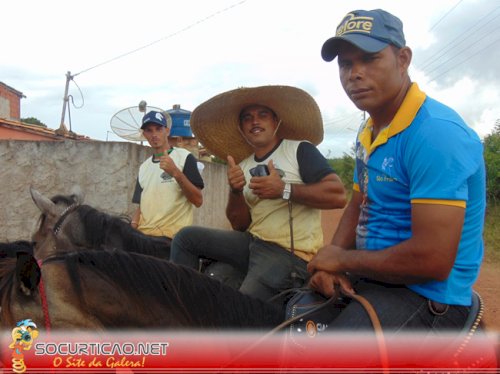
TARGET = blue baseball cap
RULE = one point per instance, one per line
(155, 117)
(369, 30)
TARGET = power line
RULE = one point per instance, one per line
(69, 76)
(343, 123)
(477, 39)
(445, 15)
(459, 40)
(467, 59)
(345, 118)
(164, 38)
(460, 52)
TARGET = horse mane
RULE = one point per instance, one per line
(8, 256)
(102, 230)
(11, 249)
(7, 274)
(161, 288)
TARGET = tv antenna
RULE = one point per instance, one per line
(127, 122)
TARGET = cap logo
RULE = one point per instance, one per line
(353, 24)
(159, 116)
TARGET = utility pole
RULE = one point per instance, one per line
(62, 127)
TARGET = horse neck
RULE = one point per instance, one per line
(209, 300)
(98, 230)
(120, 235)
(50, 246)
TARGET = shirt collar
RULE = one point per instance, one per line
(403, 118)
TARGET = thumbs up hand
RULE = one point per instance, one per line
(235, 175)
(272, 170)
(168, 165)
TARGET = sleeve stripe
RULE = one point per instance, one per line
(458, 203)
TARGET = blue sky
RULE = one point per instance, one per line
(184, 52)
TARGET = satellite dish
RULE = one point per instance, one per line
(127, 122)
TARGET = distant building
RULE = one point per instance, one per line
(10, 102)
(11, 126)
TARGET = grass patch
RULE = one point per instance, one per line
(492, 233)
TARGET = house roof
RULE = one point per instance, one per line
(58, 134)
(13, 90)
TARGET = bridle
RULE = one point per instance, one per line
(66, 212)
(41, 286)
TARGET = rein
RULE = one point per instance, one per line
(41, 286)
(43, 299)
(66, 212)
(362, 300)
(43, 294)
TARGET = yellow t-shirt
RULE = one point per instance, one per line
(270, 217)
(164, 207)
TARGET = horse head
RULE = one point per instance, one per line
(66, 225)
(57, 229)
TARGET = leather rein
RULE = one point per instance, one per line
(360, 299)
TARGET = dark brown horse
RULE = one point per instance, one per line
(106, 290)
(68, 225)
(115, 289)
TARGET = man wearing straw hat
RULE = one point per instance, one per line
(278, 183)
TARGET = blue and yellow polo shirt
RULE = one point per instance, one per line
(426, 155)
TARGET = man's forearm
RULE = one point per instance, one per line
(192, 193)
(237, 211)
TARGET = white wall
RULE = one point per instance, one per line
(106, 172)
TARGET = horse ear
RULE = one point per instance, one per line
(27, 272)
(77, 194)
(43, 203)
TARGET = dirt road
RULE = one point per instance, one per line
(488, 286)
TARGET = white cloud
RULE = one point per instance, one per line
(191, 57)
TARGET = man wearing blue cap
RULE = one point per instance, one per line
(169, 183)
(412, 231)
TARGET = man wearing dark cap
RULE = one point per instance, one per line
(168, 185)
(412, 231)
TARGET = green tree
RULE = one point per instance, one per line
(492, 161)
(33, 121)
(344, 167)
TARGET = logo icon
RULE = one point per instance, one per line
(22, 339)
(159, 117)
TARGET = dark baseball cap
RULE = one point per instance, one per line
(155, 117)
(369, 30)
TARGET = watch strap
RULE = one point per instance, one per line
(287, 191)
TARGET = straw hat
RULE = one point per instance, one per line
(215, 122)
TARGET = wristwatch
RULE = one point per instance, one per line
(287, 191)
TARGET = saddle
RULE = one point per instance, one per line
(312, 312)
(316, 312)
